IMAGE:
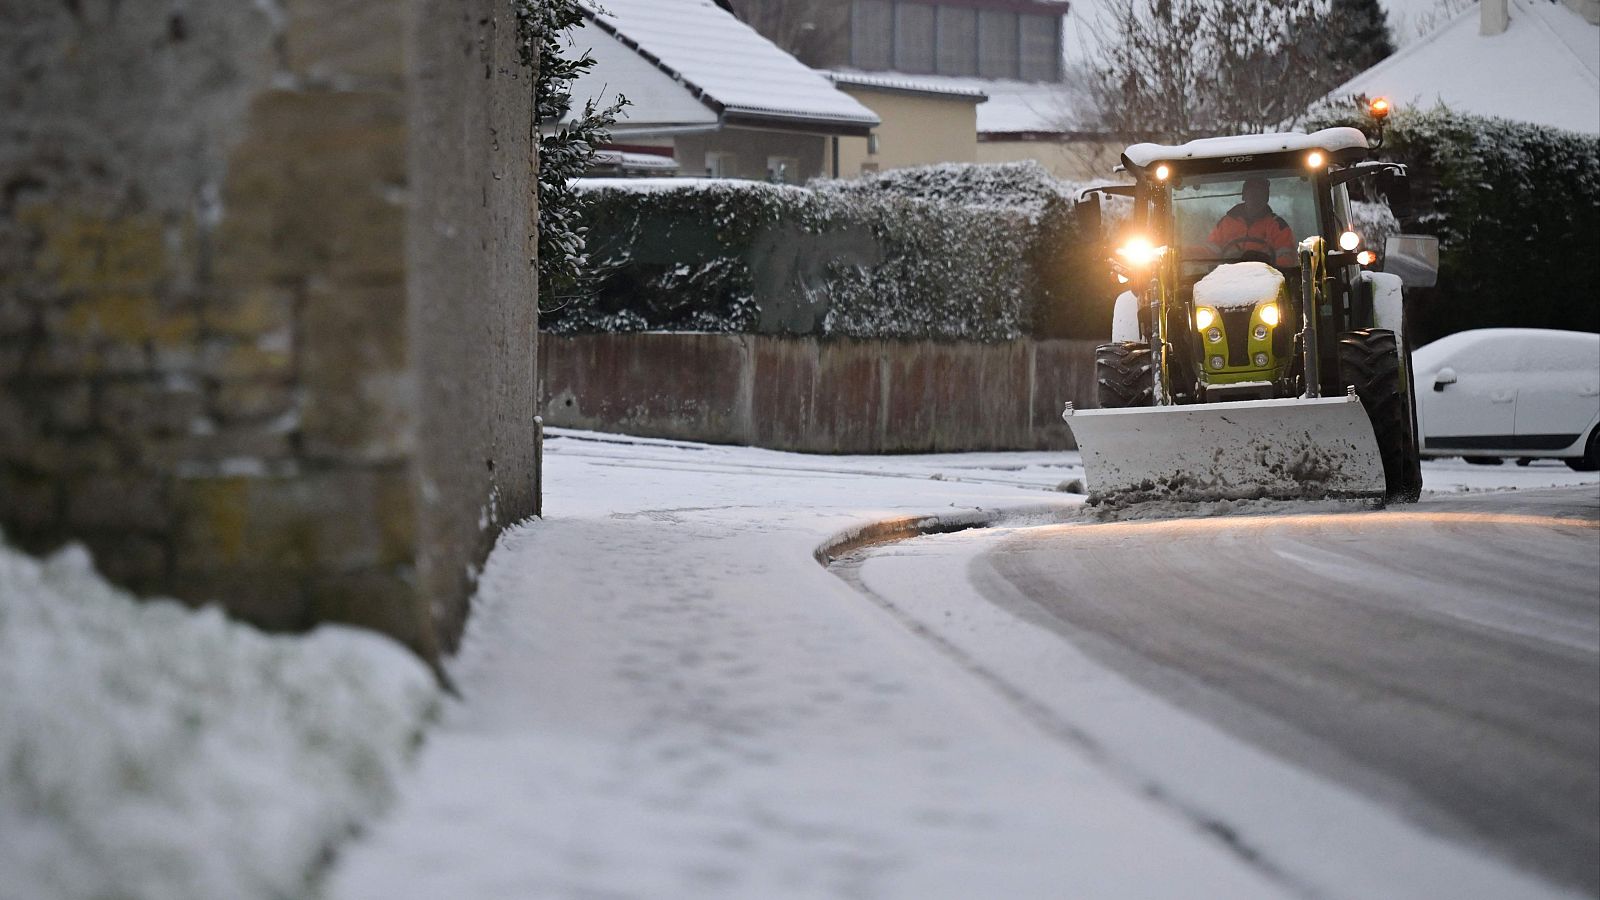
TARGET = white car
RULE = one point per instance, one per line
(1526, 393)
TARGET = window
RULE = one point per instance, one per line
(1041, 47)
(783, 170)
(958, 41)
(1200, 203)
(872, 34)
(720, 164)
(914, 38)
(997, 44)
(928, 37)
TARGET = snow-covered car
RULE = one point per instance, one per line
(1525, 393)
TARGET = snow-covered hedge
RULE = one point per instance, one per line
(1516, 208)
(151, 751)
(946, 252)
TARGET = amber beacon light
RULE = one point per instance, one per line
(1379, 108)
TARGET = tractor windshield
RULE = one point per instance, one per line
(1233, 216)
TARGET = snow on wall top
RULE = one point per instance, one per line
(1544, 68)
(726, 62)
(1238, 285)
(1328, 139)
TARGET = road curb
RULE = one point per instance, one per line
(888, 531)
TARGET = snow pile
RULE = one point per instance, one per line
(147, 750)
(1238, 285)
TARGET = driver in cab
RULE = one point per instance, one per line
(1252, 230)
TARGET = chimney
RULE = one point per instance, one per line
(1493, 17)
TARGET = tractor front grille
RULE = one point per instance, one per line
(1236, 325)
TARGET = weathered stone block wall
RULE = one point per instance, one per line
(226, 236)
(835, 396)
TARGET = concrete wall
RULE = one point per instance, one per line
(917, 130)
(247, 252)
(840, 396)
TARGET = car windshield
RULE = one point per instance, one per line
(1202, 203)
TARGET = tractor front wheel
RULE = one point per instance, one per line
(1124, 375)
(1369, 360)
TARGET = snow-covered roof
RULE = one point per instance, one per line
(1012, 106)
(912, 84)
(1544, 68)
(726, 63)
(1328, 139)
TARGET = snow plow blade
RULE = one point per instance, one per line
(1289, 449)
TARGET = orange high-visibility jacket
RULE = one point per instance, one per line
(1269, 231)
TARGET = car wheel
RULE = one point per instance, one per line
(1591, 455)
(1483, 460)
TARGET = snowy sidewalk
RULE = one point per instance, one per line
(665, 696)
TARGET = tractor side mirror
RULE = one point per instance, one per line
(1396, 187)
(1413, 257)
(1086, 212)
(1446, 376)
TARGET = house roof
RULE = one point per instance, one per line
(1544, 68)
(1011, 107)
(729, 67)
(909, 84)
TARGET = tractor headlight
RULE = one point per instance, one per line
(1261, 332)
(1203, 317)
(1269, 315)
(1216, 362)
(1349, 241)
(1214, 335)
(1261, 359)
(1139, 252)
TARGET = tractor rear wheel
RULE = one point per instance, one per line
(1124, 375)
(1369, 360)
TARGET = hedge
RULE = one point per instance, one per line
(983, 253)
(1516, 208)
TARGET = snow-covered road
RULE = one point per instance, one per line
(663, 695)
(1442, 660)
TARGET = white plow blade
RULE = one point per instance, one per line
(1282, 449)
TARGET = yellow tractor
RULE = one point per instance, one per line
(1255, 352)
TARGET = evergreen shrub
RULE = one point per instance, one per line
(1516, 208)
(983, 253)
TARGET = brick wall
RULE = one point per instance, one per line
(226, 231)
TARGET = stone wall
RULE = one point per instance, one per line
(836, 396)
(229, 233)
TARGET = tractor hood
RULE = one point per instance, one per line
(1239, 286)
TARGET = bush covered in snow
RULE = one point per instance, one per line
(944, 252)
(1516, 208)
(151, 751)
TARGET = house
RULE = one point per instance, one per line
(710, 94)
(917, 62)
(924, 122)
(1529, 60)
